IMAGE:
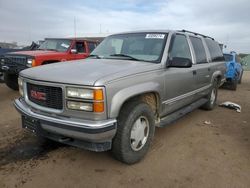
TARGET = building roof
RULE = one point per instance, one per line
(99, 39)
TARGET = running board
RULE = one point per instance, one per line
(171, 118)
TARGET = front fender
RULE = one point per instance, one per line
(127, 93)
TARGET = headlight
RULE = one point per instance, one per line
(74, 105)
(95, 99)
(20, 84)
(30, 62)
(81, 93)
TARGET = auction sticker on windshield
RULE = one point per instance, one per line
(155, 36)
(64, 45)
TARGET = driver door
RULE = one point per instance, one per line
(81, 52)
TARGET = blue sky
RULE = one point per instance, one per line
(27, 20)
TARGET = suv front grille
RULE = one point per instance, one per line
(16, 59)
(46, 96)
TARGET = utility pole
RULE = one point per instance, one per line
(75, 26)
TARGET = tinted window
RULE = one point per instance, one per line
(79, 46)
(199, 50)
(180, 48)
(228, 57)
(91, 46)
(214, 50)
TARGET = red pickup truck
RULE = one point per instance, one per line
(52, 50)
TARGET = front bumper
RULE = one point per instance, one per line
(91, 135)
(12, 69)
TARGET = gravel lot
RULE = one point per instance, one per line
(188, 153)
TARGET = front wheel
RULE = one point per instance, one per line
(135, 131)
(212, 97)
(11, 81)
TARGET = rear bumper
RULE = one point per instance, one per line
(92, 135)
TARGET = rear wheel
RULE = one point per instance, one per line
(212, 97)
(233, 85)
(135, 131)
(11, 81)
(240, 80)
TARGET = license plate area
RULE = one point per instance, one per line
(30, 124)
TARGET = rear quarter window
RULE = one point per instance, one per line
(91, 46)
(199, 50)
(214, 50)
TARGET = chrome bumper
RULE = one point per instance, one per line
(90, 131)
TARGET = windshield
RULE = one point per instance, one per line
(60, 45)
(228, 57)
(134, 46)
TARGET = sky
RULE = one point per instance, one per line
(23, 21)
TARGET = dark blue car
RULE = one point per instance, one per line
(234, 70)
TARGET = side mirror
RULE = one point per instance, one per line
(73, 51)
(180, 62)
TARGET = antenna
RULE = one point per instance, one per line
(75, 26)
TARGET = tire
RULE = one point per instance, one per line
(233, 85)
(240, 80)
(11, 81)
(1, 78)
(212, 97)
(125, 146)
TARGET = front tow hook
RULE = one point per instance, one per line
(5, 68)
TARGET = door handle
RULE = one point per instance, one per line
(194, 72)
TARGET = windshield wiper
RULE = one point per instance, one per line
(52, 49)
(96, 56)
(127, 56)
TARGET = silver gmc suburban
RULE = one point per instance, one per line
(131, 83)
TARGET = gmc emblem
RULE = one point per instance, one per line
(38, 95)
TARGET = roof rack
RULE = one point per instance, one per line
(186, 31)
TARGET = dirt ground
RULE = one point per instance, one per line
(188, 153)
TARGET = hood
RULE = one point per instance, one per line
(35, 52)
(87, 71)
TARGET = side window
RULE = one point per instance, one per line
(237, 58)
(91, 46)
(214, 50)
(199, 50)
(180, 48)
(79, 46)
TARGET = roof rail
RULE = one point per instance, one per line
(186, 31)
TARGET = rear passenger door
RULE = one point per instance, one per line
(201, 67)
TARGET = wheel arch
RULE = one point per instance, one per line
(148, 93)
(46, 62)
(217, 76)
